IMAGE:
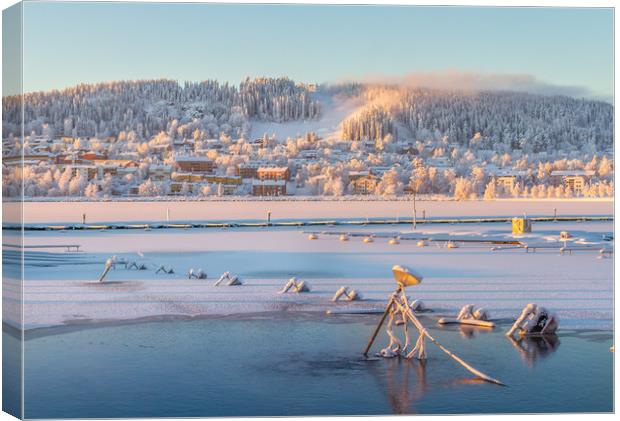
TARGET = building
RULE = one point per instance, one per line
(186, 177)
(273, 173)
(87, 171)
(158, 172)
(26, 159)
(508, 179)
(226, 180)
(575, 180)
(269, 187)
(248, 170)
(362, 182)
(194, 164)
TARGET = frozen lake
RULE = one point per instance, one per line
(164, 344)
(62, 288)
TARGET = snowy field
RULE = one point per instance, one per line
(61, 287)
(249, 210)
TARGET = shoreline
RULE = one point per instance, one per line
(300, 315)
(229, 211)
(299, 223)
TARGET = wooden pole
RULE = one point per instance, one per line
(415, 212)
(378, 328)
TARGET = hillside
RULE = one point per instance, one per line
(334, 139)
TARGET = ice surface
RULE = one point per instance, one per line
(61, 287)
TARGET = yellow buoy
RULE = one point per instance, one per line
(368, 239)
(344, 237)
(393, 241)
(313, 237)
(421, 243)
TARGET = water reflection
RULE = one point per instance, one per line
(401, 391)
(531, 348)
(469, 332)
(405, 383)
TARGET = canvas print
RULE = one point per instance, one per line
(220, 210)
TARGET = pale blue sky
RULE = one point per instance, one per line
(69, 43)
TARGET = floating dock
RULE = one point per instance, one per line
(289, 223)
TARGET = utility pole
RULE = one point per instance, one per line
(415, 212)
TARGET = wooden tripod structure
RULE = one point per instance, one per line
(398, 304)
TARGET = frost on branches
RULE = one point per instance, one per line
(159, 138)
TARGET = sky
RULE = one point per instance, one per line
(561, 50)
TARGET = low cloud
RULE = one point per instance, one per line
(472, 81)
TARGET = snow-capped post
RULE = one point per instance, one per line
(83, 219)
(398, 309)
(168, 215)
(268, 218)
(555, 214)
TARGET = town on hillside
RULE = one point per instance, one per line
(158, 138)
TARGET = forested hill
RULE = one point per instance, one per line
(499, 121)
(148, 107)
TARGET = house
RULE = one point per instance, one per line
(186, 177)
(575, 180)
(248, 170)
(159, 172)
(269, 187)
(258, 143)
(273, 173)
(379, 170)
(508, 178)
(362, 182)
(226, 180)
(92, 156)
(194, 164)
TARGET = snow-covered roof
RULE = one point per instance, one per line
(568, 173)
(268, 182)
(273, 169)
(160, 167)
(192, 159)
(509, 173)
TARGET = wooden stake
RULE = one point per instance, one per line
(378, 328)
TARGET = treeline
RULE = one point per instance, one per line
(503, 122)
(147, 107)
(373, 123)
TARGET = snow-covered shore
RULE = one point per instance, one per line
(257, 210)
